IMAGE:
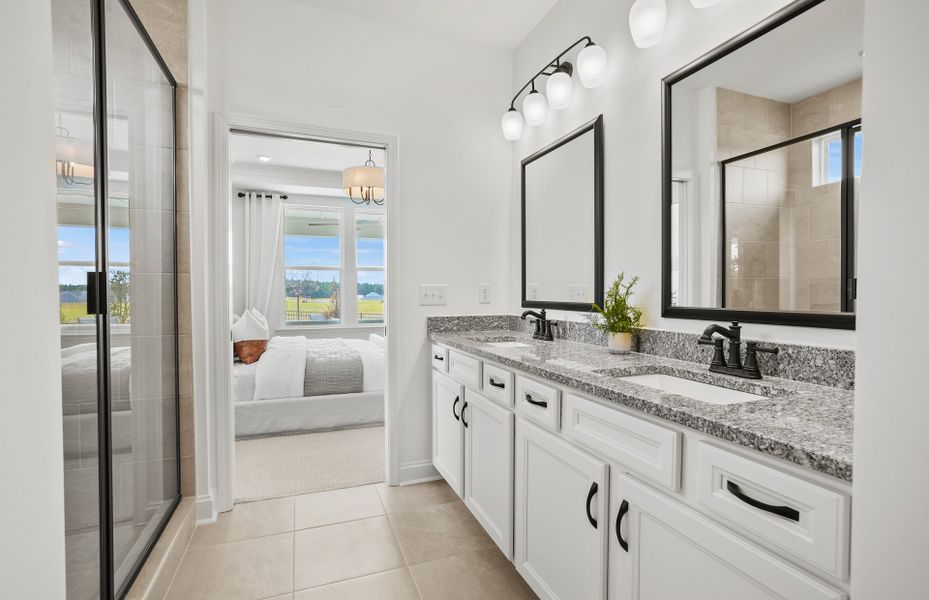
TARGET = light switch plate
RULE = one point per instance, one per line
(483, 293)
(432, 294)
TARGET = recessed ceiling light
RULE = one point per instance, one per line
(264, 158)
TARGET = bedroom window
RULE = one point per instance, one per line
(369, 259)
(312, 266)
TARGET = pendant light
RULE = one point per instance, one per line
(647, 20)
(364, 184)
(535, 107)
(591, 65)
(703, 3)
(558, 87)
(512, 123)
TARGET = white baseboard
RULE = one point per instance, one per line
(419, 471)
(206, 511)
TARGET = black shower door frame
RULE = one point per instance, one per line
(108, 587)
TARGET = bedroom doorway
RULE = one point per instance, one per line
(308, 296)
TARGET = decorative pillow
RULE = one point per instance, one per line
(249, 351)
(250, 326)
(377, 340)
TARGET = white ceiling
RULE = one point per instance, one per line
(502, 23)
(810, 54)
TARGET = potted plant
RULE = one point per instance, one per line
(617, 318)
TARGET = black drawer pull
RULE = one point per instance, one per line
(496, 384)
(590, 496)
(463, 407)
(541, 403)
(454, 404)
(438, 357)
(782, 511)
(623, 509)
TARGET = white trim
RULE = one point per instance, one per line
(419, 471)
(205, 511)
(217, 295)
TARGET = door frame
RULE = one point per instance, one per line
(216, 291)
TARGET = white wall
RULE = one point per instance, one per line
(288, 61)
(32, 553)
(630, 100)
(891, 487)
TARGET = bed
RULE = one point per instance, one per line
(303, 385)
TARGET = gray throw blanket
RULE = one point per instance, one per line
(332, 368)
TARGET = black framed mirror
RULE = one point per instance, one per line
(562, 222)
(761, 165)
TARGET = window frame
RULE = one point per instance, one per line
(348, 268)
(368, 268)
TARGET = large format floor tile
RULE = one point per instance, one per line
(412, 497)
(479, 575)
(344, 551)
(337, 506)
(438, 531)
(246, 521)
(245, 570)
(389, 585)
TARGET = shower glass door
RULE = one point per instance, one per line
(117, 286)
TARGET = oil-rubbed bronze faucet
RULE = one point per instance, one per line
(732, 364)
(543, 327)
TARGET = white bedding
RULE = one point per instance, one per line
(280, 371)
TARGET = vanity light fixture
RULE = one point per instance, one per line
(647, 20)
(364, 184)
(591, 67)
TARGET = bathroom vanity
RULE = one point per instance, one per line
(602, 476)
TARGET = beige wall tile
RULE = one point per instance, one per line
(826, 294)
(826, 220)
(845, 102)
(767, 294)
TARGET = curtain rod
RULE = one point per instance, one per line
(242, 195)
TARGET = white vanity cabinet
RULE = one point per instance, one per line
(488, 459)
(447, 431)
(661, 549)
(561, 505)
(592, 501)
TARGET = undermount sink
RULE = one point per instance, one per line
(513, 344)
(704, 392)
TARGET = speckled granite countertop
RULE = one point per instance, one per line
(807, 424)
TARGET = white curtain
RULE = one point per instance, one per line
(263, 230)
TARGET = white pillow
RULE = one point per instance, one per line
(377, 340)
(250, 326)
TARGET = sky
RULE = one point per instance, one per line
(77, 244)
(303, 250)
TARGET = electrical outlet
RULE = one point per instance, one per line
(483, 293)
(432, 294)
(532, 291)
(578, 293)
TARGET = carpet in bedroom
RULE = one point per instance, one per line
(286, 465)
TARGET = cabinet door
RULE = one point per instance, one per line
(672, 551)
(489, 467)
(561, 510)
(447, 436)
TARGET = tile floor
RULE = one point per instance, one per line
(416, 542)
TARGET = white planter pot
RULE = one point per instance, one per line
(620, 343)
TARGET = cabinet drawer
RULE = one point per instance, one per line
(465, 369)
(498, 384)
(638, 445)
(440, 358)
(538, 402)
(786, 513)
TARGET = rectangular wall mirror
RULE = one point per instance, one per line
(762, 159)
(562, 222)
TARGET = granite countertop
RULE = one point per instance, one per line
(804, 423)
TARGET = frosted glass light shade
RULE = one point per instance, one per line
(365, 181)
(703, 3)
(512, 123)
(535, 108)
(558, 90)
(591, 66)
(647, 20)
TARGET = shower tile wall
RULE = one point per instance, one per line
(755, 190)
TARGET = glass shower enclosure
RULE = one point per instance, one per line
(115, 157)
